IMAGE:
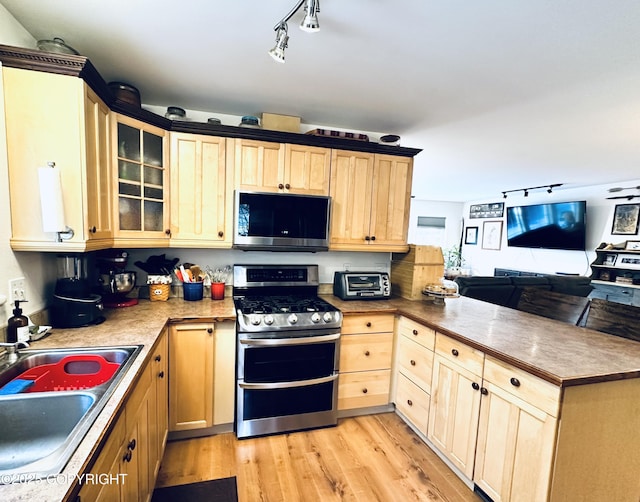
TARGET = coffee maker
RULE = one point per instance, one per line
(74, 304)
(115, 282)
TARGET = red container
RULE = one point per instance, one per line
(74, 372)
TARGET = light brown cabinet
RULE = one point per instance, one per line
(455, 401)
(516, 434)
(208, 351)
(140, 183)
(263, 166)
(132, 450)
(370, 201)
(159, 428)
(366, 347)
(414, 363)
(70, 129)
(201, 191)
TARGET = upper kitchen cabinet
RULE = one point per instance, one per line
(307, 170)
(263, 166)
(141, 211)
(57, 118)
(201, 191)
(259, 165)
(370, 201)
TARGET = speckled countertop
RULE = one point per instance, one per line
(560, 353)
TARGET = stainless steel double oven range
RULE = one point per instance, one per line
(288, 350)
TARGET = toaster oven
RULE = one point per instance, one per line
(361, 285)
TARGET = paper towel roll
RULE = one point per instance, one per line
(51, 199)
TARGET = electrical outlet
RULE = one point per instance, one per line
(17, 290)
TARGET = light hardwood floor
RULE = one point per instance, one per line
(369, 458)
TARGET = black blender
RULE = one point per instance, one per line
(74, 305)
(115, 281)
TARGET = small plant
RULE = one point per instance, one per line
(453, 257)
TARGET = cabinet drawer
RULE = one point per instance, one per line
(531, 389)
(612, 293)
(417, 332)
(363, 389)
(369, 323)
(416, 362)
(461, 354)
(365, 352)
(413, 403)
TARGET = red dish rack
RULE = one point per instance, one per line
(73, 372)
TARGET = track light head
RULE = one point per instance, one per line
(526, 192)
(549, 190)
(310, 22)
(504, 195)
(277, 53)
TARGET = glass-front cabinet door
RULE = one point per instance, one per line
(142, 207)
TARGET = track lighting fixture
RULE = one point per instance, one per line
(525, 191)
(309, 23)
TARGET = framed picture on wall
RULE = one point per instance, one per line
(471, 235)
(491, 235)
(625, 219)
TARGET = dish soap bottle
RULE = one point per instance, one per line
(18, 325)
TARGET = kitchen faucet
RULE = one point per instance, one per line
(11, 350)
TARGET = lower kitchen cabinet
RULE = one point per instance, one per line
(414, 363)
(127, 453)
(516, 434)
(366, 347)
(202, 369)
(160, 385)
(455, 401)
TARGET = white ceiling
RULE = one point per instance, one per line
(500, 95)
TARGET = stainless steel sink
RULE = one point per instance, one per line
(39, 431)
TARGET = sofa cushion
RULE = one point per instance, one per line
(570, 285)
(521, 282)
(490, 289)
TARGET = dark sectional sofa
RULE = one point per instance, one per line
(506, 291)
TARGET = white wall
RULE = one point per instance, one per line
(36, 268)
(599, 223)
(451, 211)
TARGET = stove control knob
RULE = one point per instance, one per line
(315, 317)
(268, 319)
(327, 317)
(255, 320)
(292, 319)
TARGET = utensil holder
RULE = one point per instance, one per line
(217, 290)
(192, 291)
(159, 292)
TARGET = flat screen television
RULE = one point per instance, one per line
(557, 225)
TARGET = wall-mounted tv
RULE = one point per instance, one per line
(557, 225)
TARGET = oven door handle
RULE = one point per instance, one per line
(290, 341)
(287, 385)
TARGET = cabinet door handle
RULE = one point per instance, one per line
(220, 233)
(93, 230)
(132, 444)
(287, 186)
(373, 237)
(364, 391)
(280, 186)
(475, 386)
(413, 363)
(409, 402)
(455, 352)
(367, 238)
(515, 382)
(415, 332)
(484, 391)
(367, 353)
(368, 325)
(158, 358)
(209, 330)
(127, 456)
(161, 374)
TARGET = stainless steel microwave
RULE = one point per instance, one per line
(281, 222)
